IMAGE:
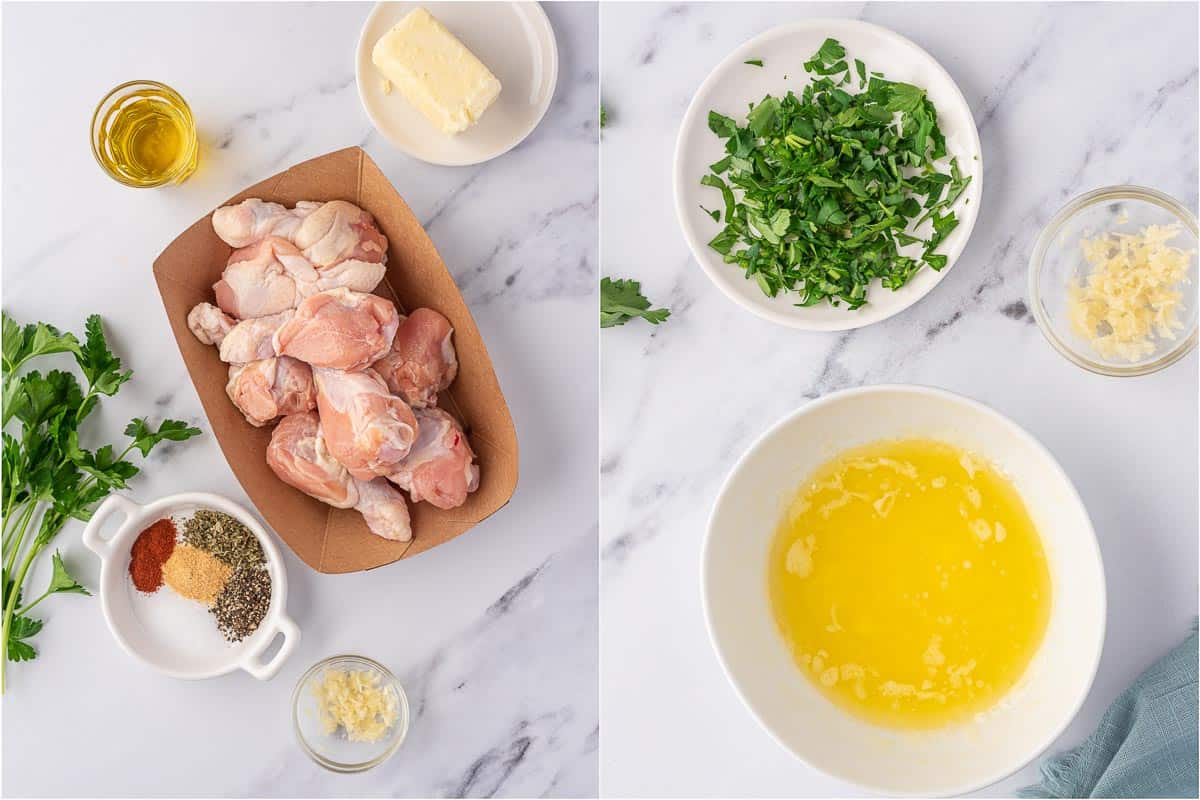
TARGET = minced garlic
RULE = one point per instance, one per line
(1132, 293)
(354, 700)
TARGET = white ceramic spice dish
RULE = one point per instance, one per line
(516, 42)
(733, 85)
(951, 760)
(170, 633)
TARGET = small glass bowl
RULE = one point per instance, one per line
(334, 751)
(108, 111)
(1057, 263)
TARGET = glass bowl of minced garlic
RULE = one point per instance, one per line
(349, 713)
(1112, 281)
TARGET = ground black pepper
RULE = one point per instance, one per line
(243, 603)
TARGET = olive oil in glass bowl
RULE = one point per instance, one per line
(143, 135)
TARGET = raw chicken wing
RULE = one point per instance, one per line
(209, 324)
(252, 220)
(297, 454)
(422, 360)
(253, 339)
(340, 329)
(384, 510)
(338, 231)
(366, 427)
(261, 279)
(263, 390)
(439, 467)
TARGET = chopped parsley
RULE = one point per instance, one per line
(822, 190)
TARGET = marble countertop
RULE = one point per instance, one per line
(493, 634)
(1060, 110)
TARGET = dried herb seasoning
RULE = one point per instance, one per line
(224, 537)
(242, 604)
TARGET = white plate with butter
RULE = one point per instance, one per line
(513, 41)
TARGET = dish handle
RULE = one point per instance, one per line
(91, 534)
(291, 637)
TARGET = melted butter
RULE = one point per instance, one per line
(910, 583)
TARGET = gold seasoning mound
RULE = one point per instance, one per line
(1132, 293)
(196, 574)
(354, 701)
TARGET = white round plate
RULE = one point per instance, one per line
(730, 89)
(951, 760)
(514, 40)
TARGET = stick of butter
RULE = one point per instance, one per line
(435, 72)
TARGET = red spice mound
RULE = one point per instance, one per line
(149, 552)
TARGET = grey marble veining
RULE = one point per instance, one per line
(493, 634)
(1061, 109)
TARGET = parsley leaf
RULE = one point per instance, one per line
(21, 344)
(61, 581)
(622, 300)
(146, 437)
(101, 368)
(754, 62)
(20, 629)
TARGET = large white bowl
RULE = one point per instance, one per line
(760, 667)
(180, 659)
(733, 85)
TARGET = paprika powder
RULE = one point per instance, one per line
(150, 551)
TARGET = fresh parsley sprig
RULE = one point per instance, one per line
(47, 476)
(622, 300)
(821, 191)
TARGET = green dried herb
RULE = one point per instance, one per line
(224, 537)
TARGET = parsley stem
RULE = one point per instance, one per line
(14, 513)
(11, 605)
(17, 537)
(25, 609)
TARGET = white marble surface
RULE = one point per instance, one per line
(1061, 109)
(494, 634)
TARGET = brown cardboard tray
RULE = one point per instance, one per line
(328, 539)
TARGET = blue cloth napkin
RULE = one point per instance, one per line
(1146, 745)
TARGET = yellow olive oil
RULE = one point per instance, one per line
(910, 583)
(143, 135)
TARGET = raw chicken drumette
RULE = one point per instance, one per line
(298, 455)
(422, 361)
(366, 427)
(439, 468)
(253, 220)
(253, 339)
(261, 279)
(384, 509)
(272, 387)
(209, 324)
(340, 231)
(340, 329)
